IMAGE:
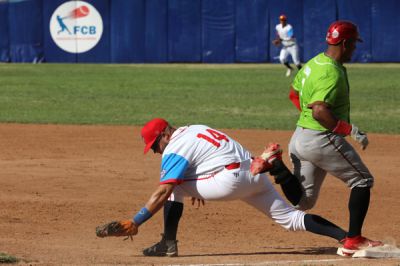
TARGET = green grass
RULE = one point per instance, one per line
(5, 258)
(222, 96)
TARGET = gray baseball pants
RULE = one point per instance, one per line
(316, 153)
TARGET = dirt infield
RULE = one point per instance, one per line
(58, 182)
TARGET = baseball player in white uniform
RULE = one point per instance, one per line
(206, 164)
(285, 38)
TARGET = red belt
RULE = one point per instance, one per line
(232, 166)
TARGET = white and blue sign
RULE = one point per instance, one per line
(76, 26)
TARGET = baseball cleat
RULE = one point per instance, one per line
(353, 244)
(288, 72)
(271, 152)
(163, 248)
(263, 163)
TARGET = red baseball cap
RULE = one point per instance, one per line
(282, 17)
(151, 130)
(342, 30)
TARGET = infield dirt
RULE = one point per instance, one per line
(57, 183)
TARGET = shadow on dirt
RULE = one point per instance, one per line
(278, 251)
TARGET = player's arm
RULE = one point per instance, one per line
(277, 41)
(322, 113)
(294, 97)
(154, 204)
(290, 34)
(159, 197)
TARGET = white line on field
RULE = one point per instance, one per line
(278, 262)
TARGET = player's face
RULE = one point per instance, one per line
(349, 48)
(283, 23)
(156, 145)
(160, 143)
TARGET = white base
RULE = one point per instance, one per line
(385, 251)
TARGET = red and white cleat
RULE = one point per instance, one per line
(353, 244)
(271, 152)
(263, 163)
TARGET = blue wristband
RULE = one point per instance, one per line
(142, 216)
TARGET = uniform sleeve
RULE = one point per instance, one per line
(173, 167)
(326, 90)
(297, 81)
(290, 32)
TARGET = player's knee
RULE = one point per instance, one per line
(306, 203)
(295, 222)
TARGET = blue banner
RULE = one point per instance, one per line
(252, 31)
(385, 31)
(218, 26)
(317, 16)
(359, 13)
(25, 31)
(4, 35)
(127, 31)
(209, 31)
(101, 52)
(156, 37)
(184, 31)
(53, 53)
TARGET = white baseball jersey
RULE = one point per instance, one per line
(195, 151)
(286, 34)
(289, 45)
(207, 164)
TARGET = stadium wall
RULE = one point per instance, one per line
(198, 31)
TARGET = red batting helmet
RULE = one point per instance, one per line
(282, 17)
(342, 30)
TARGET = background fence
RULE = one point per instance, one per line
(210, 31)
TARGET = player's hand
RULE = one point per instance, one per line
(359, 136)
(277, 42)
(199, 202)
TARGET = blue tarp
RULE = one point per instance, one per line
(127, 31)
(210, 31)
(218, 26)
(385, 31)
(252, 31)
(358, 12)
(184, 31)
(52, 52)
(101, 53)
(4, 36)
(25, 31)
(156, 31)
(317, 16)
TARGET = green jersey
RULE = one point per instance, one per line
(322, 79)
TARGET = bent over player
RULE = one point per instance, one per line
(204, 163)
(320, 91)
(285, 37)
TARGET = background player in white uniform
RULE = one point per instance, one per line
(204, 163)
(285, 37)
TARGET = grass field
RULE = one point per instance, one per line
(222, 96)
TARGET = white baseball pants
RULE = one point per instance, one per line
(234, 184)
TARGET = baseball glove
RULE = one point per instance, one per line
(277, 42)
(117, 228)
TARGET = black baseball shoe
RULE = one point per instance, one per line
(163, 248)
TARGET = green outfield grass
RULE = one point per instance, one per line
(222, 96)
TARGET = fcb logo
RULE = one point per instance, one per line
(76, 26)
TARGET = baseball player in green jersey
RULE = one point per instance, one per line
(318, 146)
